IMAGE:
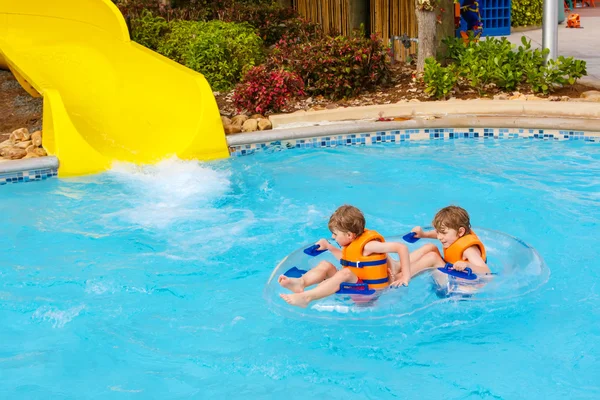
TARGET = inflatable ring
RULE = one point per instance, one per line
(517, 270)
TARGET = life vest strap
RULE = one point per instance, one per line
(362, 264)
(376, 281)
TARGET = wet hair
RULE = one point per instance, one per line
(347, 219)
(452, 217)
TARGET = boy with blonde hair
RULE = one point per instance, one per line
(363, 257)
(461, 246)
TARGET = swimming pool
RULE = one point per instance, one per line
(148, 282)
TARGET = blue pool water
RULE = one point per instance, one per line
(148, 282)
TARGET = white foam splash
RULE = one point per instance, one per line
(96, 287)
(120, 389)
(170, 191)
(59, 318)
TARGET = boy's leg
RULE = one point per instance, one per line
(318, 274)
(427, 261)
(324, 289)
(394, 265)
(421, 251)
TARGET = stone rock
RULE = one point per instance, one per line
(19, 134)
(12, 153)
(264, 124)
(565, 98)
(250, 125)
(531, 97)
(231, 129)
(501, 96)
(257, 116)
(23, 145)
(239, 119)
(595, 98)
(590, 99)
(36, 138)
(6, 143)
(590, 93)
(225, 121)
(331, 106)
(414, 101)
(31, 155)
(40, 152)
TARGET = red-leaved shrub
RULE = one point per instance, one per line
(337, 67)
(263, 90)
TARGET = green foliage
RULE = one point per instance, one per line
(527, 12)
(135, 8)
(561, 71)
(221, 51)
(497, 62)
(439, 81)
(337, 67)
(148, 29)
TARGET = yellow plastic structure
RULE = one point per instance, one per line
(106, 98)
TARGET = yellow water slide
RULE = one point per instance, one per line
(106, 98)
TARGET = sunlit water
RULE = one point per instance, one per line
(149, 282)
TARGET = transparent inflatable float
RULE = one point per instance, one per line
(517, 270)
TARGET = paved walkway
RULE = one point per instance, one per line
(580, 43)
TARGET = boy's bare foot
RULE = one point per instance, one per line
(293, 284)
(296, 299)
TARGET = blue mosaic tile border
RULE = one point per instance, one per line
(396, 136)
(28, 176)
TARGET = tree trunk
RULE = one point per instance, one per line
(426, 21)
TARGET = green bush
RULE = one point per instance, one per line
(527, 12)
(562, 71)
(221, 51)
(148, 29)
(337, 67)
(439, 81)
(495, 62)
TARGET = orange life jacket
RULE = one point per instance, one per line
(455, 252)
(372, 269)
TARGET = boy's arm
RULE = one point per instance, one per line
(324, 244)
(375, 246)
(421, 234)
(473, 260)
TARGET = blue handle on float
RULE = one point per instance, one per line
(294, 272)
(410, 237)
(466, 274)
(312, 250)
(355, 288)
